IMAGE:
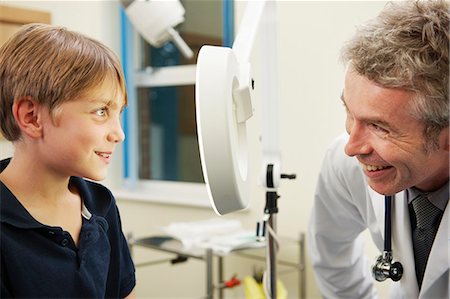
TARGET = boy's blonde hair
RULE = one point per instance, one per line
(52, 65)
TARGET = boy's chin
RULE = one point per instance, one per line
(97, 177)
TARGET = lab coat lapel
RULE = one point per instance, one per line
(378, 208)
(438, 261)
(402, 247)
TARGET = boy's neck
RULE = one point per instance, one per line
(29, 180)
(47, 197)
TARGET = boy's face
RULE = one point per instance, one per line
(82, 138)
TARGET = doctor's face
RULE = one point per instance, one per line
(388, 141)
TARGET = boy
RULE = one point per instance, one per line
(61, 95)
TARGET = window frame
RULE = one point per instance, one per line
(134, 188)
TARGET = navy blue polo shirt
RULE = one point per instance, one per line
(40, 261)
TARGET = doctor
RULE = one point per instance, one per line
(397, 102)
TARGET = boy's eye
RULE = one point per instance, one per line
(101, 112)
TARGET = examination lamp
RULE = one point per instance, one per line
(225, 92)
(155, 20)
(225, 95)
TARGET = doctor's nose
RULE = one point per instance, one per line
(358, 142)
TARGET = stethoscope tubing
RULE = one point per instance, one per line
(387, 223)
(384, 267)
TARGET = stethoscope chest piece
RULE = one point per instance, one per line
(384, 267)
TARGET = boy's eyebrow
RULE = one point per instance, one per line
(108, 102)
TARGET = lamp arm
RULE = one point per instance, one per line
(269, 98)
(261, 16)
(248, 29)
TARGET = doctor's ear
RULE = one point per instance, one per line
(28, 115)
(446, 138)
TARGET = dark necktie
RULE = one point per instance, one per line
(427, 218)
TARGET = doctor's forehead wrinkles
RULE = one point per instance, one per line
(372, 119)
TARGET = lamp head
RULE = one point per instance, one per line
(155, 21)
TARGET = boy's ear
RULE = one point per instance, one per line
(28, 114)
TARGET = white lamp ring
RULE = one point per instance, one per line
(222, 139)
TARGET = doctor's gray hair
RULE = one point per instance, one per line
(407, 47)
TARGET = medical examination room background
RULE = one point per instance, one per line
(311, 34)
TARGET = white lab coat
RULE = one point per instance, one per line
(345, 206)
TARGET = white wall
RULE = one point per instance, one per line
(311, 115)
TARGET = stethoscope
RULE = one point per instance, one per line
(384, 267)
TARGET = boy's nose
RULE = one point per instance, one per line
(116, 134)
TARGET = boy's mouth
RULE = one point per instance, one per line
(104, 154)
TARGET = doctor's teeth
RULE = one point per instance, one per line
(373, 167)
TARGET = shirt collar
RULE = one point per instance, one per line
(14, 213)
(439, 198)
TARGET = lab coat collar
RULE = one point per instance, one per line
(438, 261)
(402, 246)
(439, 255)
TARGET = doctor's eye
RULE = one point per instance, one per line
(379, 129)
